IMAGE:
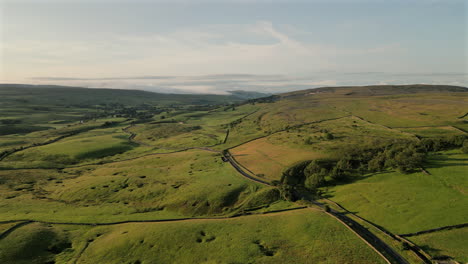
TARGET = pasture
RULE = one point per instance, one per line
(445, 243)
(140, 159)
(304, 236)
(404, 203)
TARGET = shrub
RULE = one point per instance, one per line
(465, 146)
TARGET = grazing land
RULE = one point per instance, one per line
(110, 176)
(405, 203)
(445, 244)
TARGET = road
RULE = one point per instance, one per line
(228, 157)
(384, 250)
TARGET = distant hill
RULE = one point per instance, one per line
(66, 95)
(248, 94)
(378, 90)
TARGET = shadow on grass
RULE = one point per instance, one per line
(434, 252)
(355, 178)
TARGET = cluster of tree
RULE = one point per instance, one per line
(268, 99)
(405, 156)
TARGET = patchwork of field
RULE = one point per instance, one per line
(64, 166)
(304, 236)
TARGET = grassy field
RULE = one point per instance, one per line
(191, 183)
(177, 135)
(86, 146)
(445, 243)
(271, 155)
(413, 202)
(124, 159)
(433, 131)
(303, 236)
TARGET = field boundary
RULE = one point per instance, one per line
(372, 240)
(443, 228)
(235, 216)
(421, 254)
(291, 127)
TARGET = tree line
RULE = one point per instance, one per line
(403, 155)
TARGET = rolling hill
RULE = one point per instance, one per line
(364, 174)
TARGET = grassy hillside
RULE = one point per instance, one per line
(66, 96)
(308, 236)
(70, 156)
(405, 203)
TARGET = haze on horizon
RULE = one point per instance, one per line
(214, 47)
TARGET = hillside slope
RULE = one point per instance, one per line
(64, 95)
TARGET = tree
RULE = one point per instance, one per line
(329, 136)
(377, 163)
(465, 146)
(314, 175)
(314, 180)
(337, 174)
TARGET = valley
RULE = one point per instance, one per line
(327, 175)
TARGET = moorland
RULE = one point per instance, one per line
(362, 174)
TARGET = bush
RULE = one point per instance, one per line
(465, 146)
(329, 136)
(405, 246)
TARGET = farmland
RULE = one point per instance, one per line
(155, 182)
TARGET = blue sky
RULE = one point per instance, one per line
(216, 46)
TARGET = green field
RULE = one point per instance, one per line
(270, 156)
(445, 243)
(191, 183)
(100, 158)
(303, 236)
(405, 203)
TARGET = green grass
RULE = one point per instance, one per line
(71, 151)
(443, 131)
(191, 183)
(445, 243)
(107, 178)
(405, 203)
(303, 236)
(34, 243)
(175, 135)
(270, 156)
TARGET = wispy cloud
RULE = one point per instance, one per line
(263, 50)
(196, 60)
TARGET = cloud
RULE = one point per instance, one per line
(259, 48)
(206, 59)
(222, 83)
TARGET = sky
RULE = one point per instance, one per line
(218, 46)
